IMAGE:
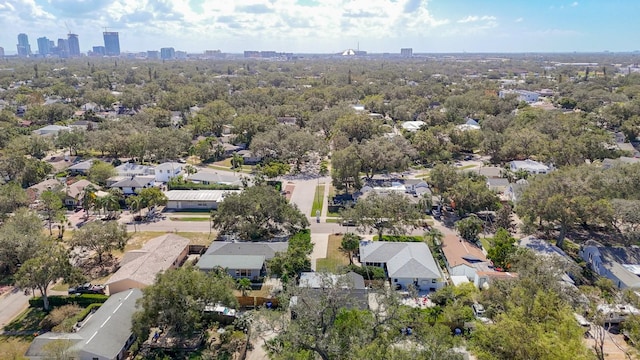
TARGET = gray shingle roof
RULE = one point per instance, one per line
(267, 249)
(104, 333)
(403, 259)
(250, 262)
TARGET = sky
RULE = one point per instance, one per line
(330, 26)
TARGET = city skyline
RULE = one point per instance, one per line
(329, 26)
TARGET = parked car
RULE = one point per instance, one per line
(348, 222)
(87, 288)
(478, 309)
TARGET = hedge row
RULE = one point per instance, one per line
(82, 300)
(399, 238)
(68, 324)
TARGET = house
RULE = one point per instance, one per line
(80, 168)
(131, 185)
(249, 158)
(139, 268)
(230, 149)
(241, 259)
(104, 335)
(497, 185)
(530, 166)
(168, 170)
(483, 279)
(196, 199)
(84, 125)
(131, 169)
(618, 263)
(34, 191)
(287, 120)
(405, 263)
(208, 178)
(50, 130)
(522, 95)
(413, 126)
(609, 163)
(350, 284)
(470, 124)
(543, 248)
(75, 191)
(463, 258)
(514, 191)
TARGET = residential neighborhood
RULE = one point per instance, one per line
(222, 209)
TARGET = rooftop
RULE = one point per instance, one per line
(316, 280)
(157, 255)
(198, 195)
(403, 259)
(231, 262)
(459, 252)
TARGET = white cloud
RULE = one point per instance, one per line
(475, 18)
(574, 4)
(519, 20)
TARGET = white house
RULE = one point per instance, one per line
(523, 95)
(131, 169)
(50, 130)
(413, 126)
(530, 166)
(166, 171)
(405, 263)
(617, 263)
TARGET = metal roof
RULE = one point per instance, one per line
(198, 195)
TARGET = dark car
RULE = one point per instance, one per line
(87, 288)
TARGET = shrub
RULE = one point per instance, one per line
(58, 316)
(368, 272)
(82, 300)
(399, 238)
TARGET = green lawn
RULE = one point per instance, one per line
(14, 347)
(317, 200)
(335, 258)
(332, 219)
(486, 243)
(29, 320)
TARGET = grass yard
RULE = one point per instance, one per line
(188, 218)
(14, 347)
(317, 200)
(335, 258)
(334, 220)
(28, 320)
(140, 238)
(486, 242)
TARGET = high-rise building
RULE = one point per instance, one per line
(167, 53)
(406, 52)
(74, 45)
(63, 48)
(43, 46)
(111, 43)
(153, 54)
(1, 52)
(24, 49)
(98, 51)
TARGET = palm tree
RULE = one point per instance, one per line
(88, 199)
(135, 205)
(434, 236)
(244, 285)
(111, 204)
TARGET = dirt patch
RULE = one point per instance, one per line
(288, 191)
(93, 269)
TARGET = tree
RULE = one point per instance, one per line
(274, 169)
(248, 125)
(470, 196)
(12, 197)
(391, 212)
(243, 285)
(100, 171)
(503, 218)
(101, 237)
(151, 197)
(71, 139)
(349, 245)
(502, 247)
(469, 228)
(178, 298)
(46, 268)
(51, 206)
(345, 169)
(258, 213)
(21, 238)
(236, 162)
(289, 264)
(443, 177)
(434, 236)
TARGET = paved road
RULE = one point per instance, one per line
(11, 305)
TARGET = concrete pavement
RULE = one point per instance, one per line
(11, 305)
